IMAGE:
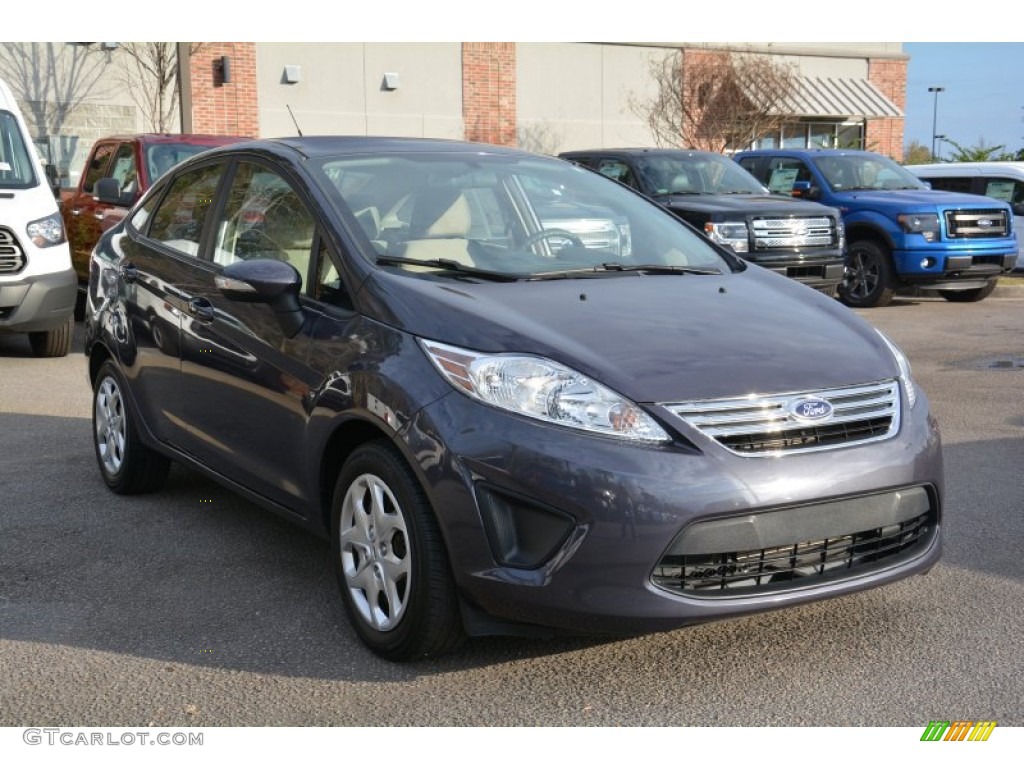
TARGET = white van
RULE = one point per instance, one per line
(37, 284)
(1003, 181)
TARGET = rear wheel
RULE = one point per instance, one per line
(868, 281)
(126, 464)
(972, 294)
(54, 343)
(390, 559)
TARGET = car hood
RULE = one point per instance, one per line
(651, 338)
(760, 205)
(929, 197)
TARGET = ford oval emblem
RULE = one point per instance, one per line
(984, 223)
(810, 409)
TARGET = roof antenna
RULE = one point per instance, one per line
(293, 119)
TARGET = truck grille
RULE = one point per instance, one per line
(984, 222)
(12, 257)
(793, 233)
(769, 425)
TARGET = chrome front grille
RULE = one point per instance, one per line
(12, 256)
(770, 425)
(982, 222)
(793, 233)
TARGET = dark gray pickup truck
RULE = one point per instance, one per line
(796, 238)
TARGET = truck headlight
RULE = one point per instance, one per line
(543, 389)
(731, 233)
(926, 224)
(46, 232)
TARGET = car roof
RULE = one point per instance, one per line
(810, 151)
(636, 151)
(1011, 167)
(322, 146)
(204, 139)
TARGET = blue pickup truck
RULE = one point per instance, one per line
(901, 233)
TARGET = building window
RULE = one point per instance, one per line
(816, 135)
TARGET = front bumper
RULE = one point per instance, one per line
(627, 505)
(964, 268)
(38, 303)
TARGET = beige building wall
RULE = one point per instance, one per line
(577, 96)
(341, 89)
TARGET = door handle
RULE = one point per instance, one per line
(201, 309)
(129, 272)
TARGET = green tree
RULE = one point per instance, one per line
(917, 153)
(979, 153)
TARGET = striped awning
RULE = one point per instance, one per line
(845, 97)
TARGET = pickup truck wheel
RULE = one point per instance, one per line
(390, 558)
(868, 281)
(972, 294)
(55, 343)
(127, 465)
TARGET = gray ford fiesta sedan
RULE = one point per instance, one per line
(516, 396)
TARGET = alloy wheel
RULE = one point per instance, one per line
(110, 426)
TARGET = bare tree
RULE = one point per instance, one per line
(51, 80)
(539, 137)
(715, 100)
(151, 78)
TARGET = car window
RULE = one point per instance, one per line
(15, 162)
(179, 219)
(616, 169)
(867, 171)
(784, 172)
(1007, 190)
(263, 218)
(950, 183)
(98, 165)
(124, 170)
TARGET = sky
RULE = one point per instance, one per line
(984, 98)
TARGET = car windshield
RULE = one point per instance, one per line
(505, 215)
(845, 173)
(15, 162)
(696, 173)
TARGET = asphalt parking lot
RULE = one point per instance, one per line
(192, 607)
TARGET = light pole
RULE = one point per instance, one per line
(939, 138)
(935, 112)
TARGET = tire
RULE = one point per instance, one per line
(972, 294)
(390, 560)
(127, 465)
(868, 281)
(55, 343)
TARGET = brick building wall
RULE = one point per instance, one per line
(489, 92)
(225, 108)
(886, 136)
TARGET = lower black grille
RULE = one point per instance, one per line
(808, 437)
(798, 272)
(768, 570)
(994, 260)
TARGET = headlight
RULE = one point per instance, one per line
(926, 224)
(46, 232)
(545, 390)
(731, 233)
(904, 365)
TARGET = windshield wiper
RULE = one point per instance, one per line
(611, 268)
(451, 266)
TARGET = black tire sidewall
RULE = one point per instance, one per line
(381, 460)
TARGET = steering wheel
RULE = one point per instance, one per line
(545, 234)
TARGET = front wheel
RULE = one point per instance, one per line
(390, 560)
(53, 343)
(868, 281)
(127, 465)
(972, 294)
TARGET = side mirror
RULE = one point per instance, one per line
(52, 178)
(265, 281)
(109, 191)
(1018, 209)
